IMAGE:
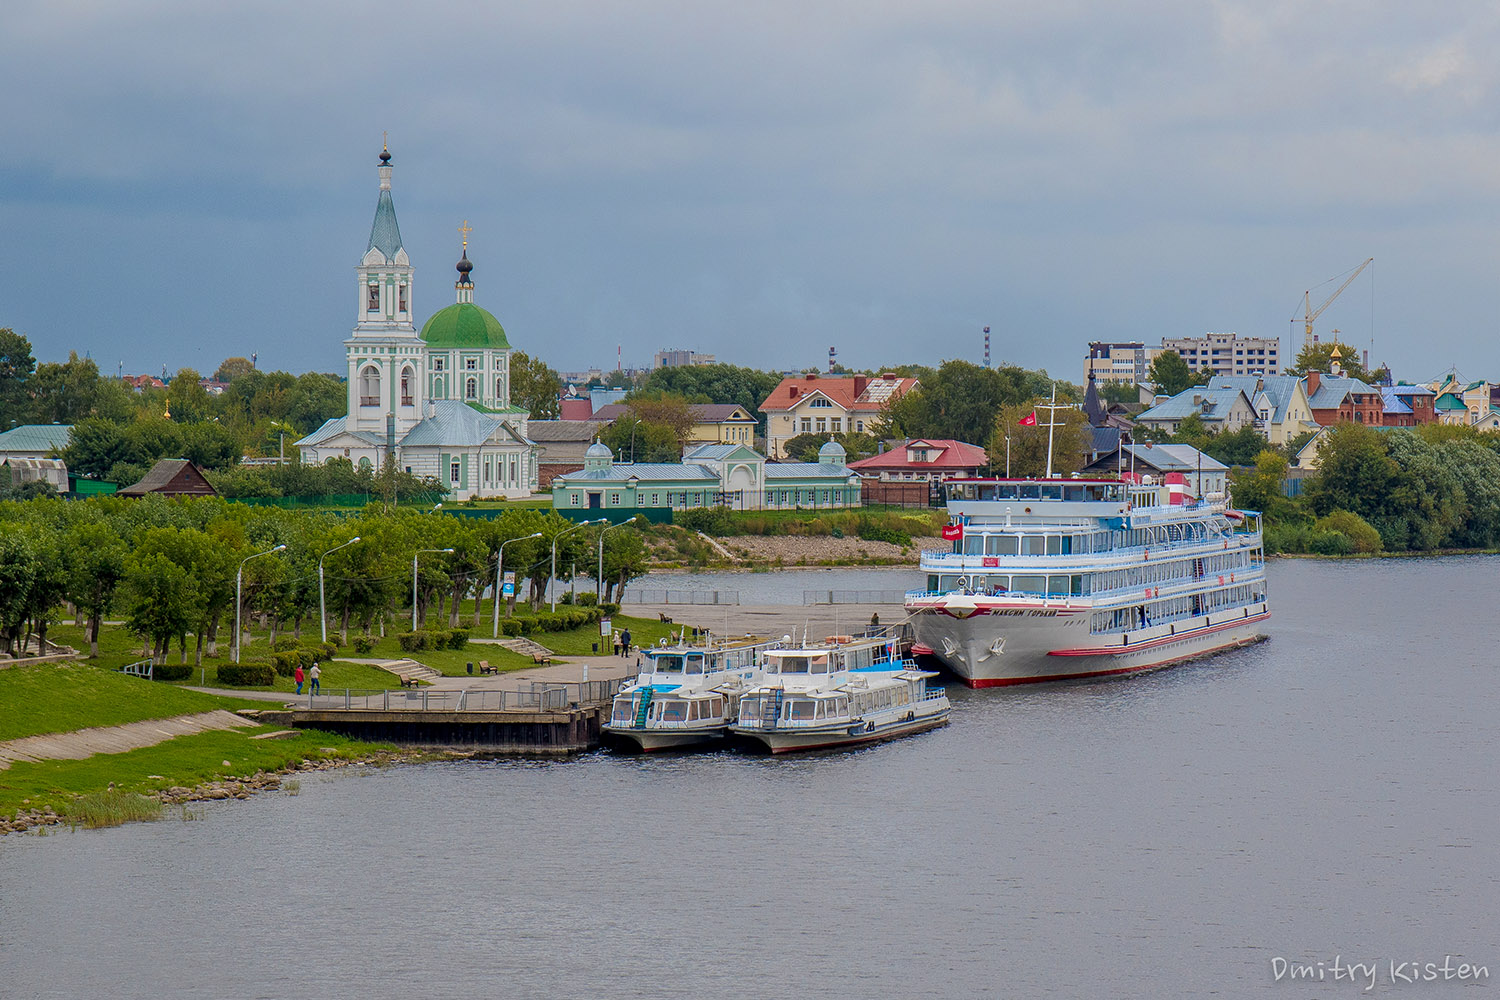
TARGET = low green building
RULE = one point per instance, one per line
(711, 475)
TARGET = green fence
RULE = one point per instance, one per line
(336, 500)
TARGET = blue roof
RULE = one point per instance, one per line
(1394, 403)
(1332, 390)
(806, 470)
(1174, 458)
(1277, 391)
(385, 235)
(644, 471)
(332, 428)
(454, 424)
(1211, 404)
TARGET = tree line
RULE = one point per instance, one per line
(167, 566)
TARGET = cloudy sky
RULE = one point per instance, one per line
(180, 182)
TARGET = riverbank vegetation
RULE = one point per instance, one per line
(1423, 489)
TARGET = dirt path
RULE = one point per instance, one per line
(115, 739)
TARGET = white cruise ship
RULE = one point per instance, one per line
(1068, 578)
(686, 693)
(838, 692)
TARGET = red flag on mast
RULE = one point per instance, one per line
(1029, 420)
(953, 532)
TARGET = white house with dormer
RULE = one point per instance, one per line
(438, 399)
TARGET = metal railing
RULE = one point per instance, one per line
(140, 668)
(853, 596)
(633, 596)
(538, 696)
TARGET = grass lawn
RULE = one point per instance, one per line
(61, 697)
(186, 760)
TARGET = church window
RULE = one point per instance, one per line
(369, 386)
(471, 364)
(471, 390)
(401, 298)
(373, 302)
(406, 398)
(437, 364)
(573, 499)
(500, 364)
(455, 470)
(499, 390)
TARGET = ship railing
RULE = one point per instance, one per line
(537, 696)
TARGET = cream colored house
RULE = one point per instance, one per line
(818, 404)
(1279, 401)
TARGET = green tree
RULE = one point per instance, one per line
(1319, 358)
(160, 601)
(314, 399)
(16, 368)
(232, 368)
(534, 386)
(625, 559)
(1170, 374)
(632, 439)
(68, 392)
(747, 387)
(1239, 447)
(18, 568)
(1028, 445)
(804, 447)
(95, 560)
(187, 399)
(960, 402)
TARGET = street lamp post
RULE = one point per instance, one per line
(552, 579)
(281, 444)
(499, 564)
(239, 576)
(599, 580)
(322, 605)
(414, 583)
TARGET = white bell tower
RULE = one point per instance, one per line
(386, 371)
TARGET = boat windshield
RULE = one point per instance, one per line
(806, 664)
(667, 664)
(695, 663)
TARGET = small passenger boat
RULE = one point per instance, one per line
(686, 693)
(838, 692)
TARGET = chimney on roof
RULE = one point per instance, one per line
(1197, 399)
(860, 381)
(795, 391)
(1313, 378)
(1260, 384)
(812, 376)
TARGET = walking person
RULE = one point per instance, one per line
(625, 640)
(297, 676)
(316, 673)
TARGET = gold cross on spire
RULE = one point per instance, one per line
(464, 231)
(385, 141)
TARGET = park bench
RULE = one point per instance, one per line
(408, 682)
(664, 619)
(541, 659)
(485, 668)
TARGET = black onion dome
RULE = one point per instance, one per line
(464, 267)
(385, 157)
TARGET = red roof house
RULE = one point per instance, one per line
(928, 459)
(828, 404)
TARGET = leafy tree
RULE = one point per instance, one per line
(534, 386)
(95, 561)
(1261, 487)
(1296, 443)
(1119, 392)
(1170, 374)
(747, 387)
(1318, 358)
(16, 368)
(1239, 447)
(187, 399)
(232, 368)
(804, 447)
(1192, 431)
(1362, 537)
(1028, 445)
(960, 402)
(66, 393)
(666, 409)
(632, 439)
(625, 559)
(315, 399)
(1477, 470)
(18, 568)
(160, 601)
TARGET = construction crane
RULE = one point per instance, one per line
(1309, 314)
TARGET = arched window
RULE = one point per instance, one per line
(406, 376)
(437, 389)
(471, 389)
(369, 386)
(499, 392)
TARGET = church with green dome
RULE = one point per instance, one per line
(438, 400)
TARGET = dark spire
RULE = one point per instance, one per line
(1093, 406)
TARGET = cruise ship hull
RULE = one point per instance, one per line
(992, 645)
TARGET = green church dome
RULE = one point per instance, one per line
(464, 324)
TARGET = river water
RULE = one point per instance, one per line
(1329, 793)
